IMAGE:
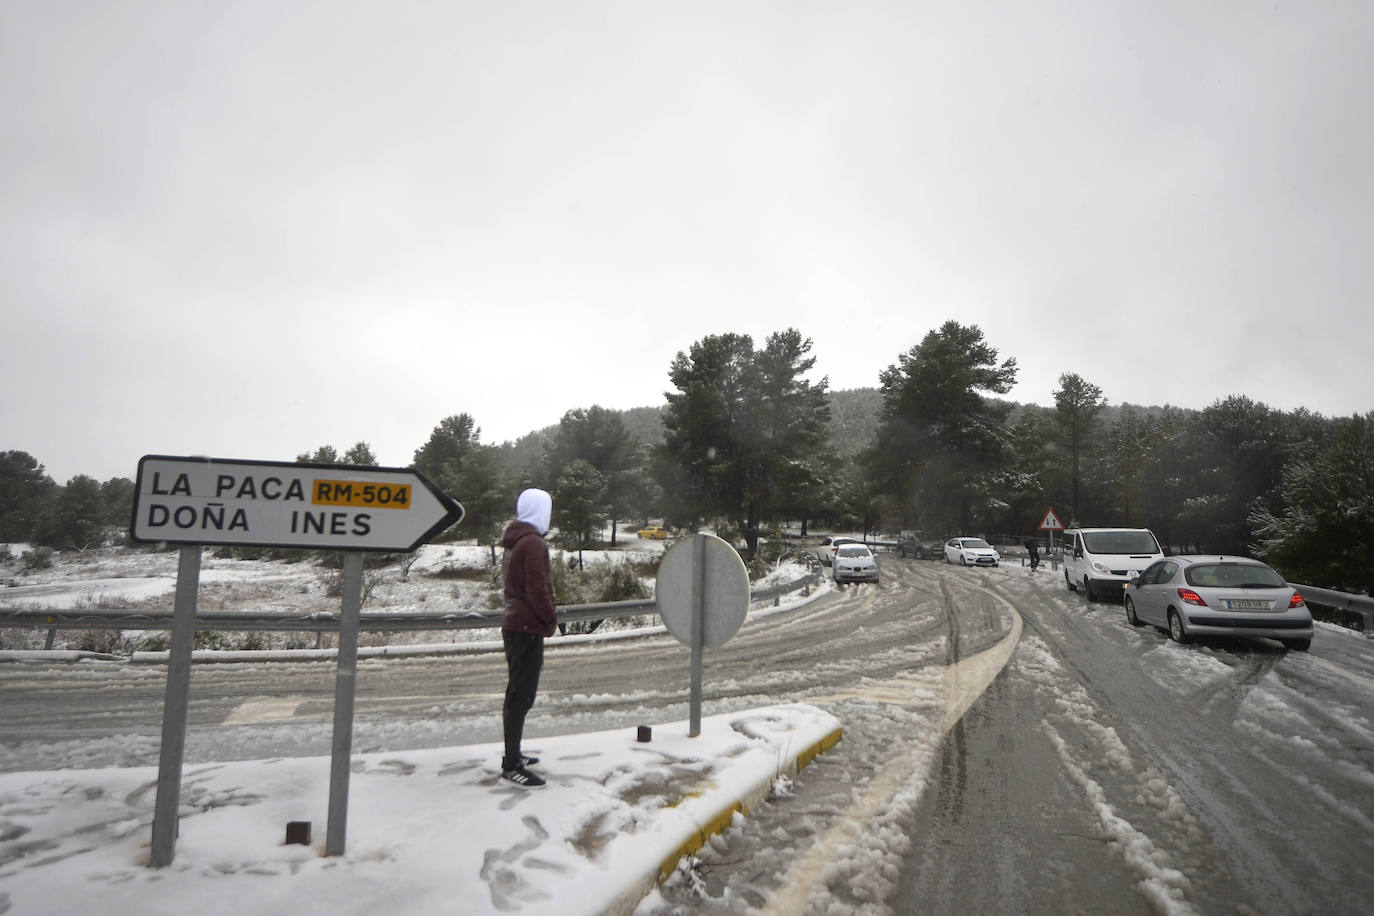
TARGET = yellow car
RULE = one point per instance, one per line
(654, 533)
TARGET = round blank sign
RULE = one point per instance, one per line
(725, 590)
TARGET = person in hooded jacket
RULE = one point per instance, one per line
(529, 616)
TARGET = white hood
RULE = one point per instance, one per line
(535, 507)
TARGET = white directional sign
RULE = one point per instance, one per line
(286, 504)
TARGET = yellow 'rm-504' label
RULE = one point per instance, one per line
(355, 493)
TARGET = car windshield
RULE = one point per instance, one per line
(1233, 575)
(1120, 542)
(975, 542)
(849, 551)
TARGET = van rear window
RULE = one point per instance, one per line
(1128, 542)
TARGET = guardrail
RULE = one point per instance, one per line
(319, 623)
(1355, 604)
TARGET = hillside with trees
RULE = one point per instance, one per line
(749, 438)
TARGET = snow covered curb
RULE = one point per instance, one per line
(804, 732)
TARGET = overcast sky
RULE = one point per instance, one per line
(247, 230)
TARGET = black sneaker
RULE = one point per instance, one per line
(522, 777)
(528, 761)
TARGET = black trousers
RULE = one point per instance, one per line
(524, 661)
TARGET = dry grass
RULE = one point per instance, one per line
(465, 573)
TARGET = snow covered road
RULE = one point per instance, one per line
(1104, 769)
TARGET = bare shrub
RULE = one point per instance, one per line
(108, 642)
(465, 573)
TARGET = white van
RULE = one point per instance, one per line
(1102, 559)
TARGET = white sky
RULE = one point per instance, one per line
(248, 230)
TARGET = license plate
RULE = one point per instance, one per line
(1248, 604)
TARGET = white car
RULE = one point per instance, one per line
(854, 563)
(825, 550)
(971, 552)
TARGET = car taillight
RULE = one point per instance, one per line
(1192, 597)
(1296, 600)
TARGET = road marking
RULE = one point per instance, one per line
(962, 683)
(252, 712)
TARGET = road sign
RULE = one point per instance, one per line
(1051, 522)
(221, 501)
(723, 587)
(702, 593)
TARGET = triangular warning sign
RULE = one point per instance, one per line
(1051, 522)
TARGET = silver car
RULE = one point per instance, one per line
(1218, 596)
(854, 563)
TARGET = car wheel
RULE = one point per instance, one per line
(1299, 645)
(1131, 618)
(1069, 582)
(1176, 631)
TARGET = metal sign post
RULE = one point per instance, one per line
(174, 709)
(698, 633)
(345, 684)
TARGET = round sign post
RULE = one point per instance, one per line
(702, 594)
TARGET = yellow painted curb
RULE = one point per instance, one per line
(723, 818)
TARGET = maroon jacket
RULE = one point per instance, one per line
(528, 586)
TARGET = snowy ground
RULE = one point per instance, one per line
(444, 577)
(856, 830)
(428, 831)
(616, 813)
